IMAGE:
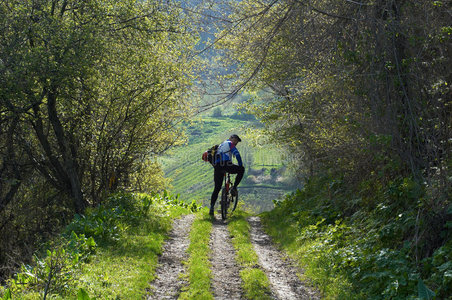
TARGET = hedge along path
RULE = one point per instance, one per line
(281, 272)
(168, 282)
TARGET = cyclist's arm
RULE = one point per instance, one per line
(236, 153)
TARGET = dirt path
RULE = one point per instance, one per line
(226, 281)
(167, 284)
(285, 284)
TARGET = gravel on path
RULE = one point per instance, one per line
(280, 270)
(168, 281)
(226, 283)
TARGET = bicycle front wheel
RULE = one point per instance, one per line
(235, 200)
(224, 203)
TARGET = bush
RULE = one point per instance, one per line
(217, 112)
(366, 253)
(243, 116)
(55, 270)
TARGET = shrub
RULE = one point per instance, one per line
(56, 268)
(372, 253)
(55, 272)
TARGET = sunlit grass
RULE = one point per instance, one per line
(125, 268)
(239, 229)
(117, 261)
(254, 281)
(198, 264)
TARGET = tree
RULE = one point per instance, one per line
(91, 91)
(356, 89)
(88, 90)
(358, 66)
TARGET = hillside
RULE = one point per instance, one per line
(266, 176)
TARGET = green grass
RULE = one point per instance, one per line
(365, 256)
(124, 269)
(110, 253)
(254, 281)
(198, 264)
(313, 256)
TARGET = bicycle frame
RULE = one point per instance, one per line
(227, 181)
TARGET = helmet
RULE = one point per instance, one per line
(235, 136)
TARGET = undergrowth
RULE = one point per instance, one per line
(110, 252)
(254, 281)
(365, 253)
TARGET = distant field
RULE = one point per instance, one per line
(192, 178)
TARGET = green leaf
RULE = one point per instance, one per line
(90, 242)
(446, 266)
(448, 275)
(82, 295)
(7, 295)
(449, 210)
(423, 291)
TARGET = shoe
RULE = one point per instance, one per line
(211, 211)
(234, 191)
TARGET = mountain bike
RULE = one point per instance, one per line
(227, 199)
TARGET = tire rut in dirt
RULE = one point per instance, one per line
(280, 270)
(168, 283)
(226, 283)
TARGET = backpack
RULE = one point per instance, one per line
(210, 154)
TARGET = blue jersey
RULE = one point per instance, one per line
(225, 150)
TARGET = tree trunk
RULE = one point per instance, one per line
(10, 162)
(69, 159)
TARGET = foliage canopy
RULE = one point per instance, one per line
(90, 93)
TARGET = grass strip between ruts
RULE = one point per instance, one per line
(198, 264)
(254, 281)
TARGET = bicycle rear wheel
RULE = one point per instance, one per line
(224, 203)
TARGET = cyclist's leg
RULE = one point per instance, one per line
(235, 169)
(218, 179)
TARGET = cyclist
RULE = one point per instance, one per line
(223, 163)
